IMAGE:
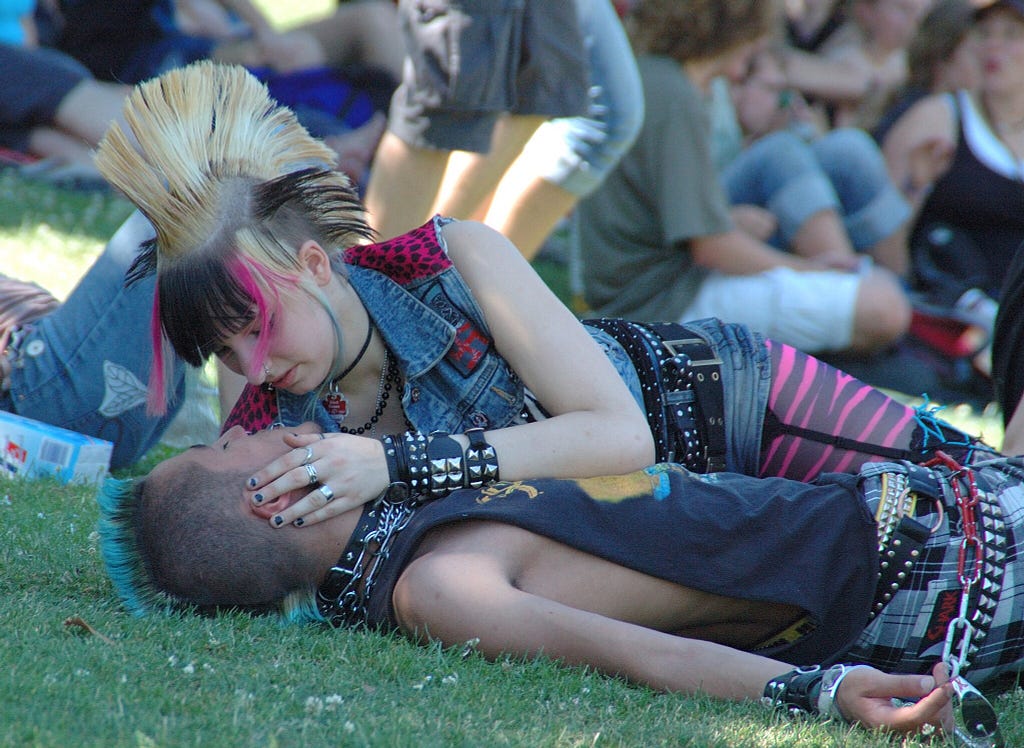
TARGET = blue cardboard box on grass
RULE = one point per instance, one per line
(31, 449)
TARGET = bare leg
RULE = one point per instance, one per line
(892, 252)
(403, 183)
(472, 177)
(882, 313)
(526, 209)
(823, 234)
(47, 142)
(89, 108)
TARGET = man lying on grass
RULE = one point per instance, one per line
(716, 583)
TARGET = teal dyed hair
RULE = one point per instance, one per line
(143, 589)
(119, 503)
(300, 607)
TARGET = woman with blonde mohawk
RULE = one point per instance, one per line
(263, 259)
(435, 356)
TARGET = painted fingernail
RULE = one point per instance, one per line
(299, 522)
(257, 498)
(252, 483)
(278, 520)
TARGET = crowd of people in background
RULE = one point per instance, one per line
(841, 174)
(846, 181)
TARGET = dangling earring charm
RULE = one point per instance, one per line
(336, 404)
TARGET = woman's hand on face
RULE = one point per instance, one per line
(866, 695)
(339, 472)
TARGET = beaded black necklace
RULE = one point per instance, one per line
(389, 375)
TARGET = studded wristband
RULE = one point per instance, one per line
(446, 463)
(481, 460)
(392, 452)
(414, 455)
(795, 692)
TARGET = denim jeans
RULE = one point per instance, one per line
(746, 385)
(794, 179)
(85, 366)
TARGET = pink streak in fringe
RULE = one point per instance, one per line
(245, 271)
(156, 397)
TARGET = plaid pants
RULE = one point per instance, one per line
(909, 633)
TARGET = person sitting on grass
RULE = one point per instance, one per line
(716, 583)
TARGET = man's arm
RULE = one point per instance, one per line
(461, 595)
(737, 253)
(457, 596)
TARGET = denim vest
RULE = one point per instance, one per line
(454, 378)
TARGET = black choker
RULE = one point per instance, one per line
(335, 401)
(362, 351)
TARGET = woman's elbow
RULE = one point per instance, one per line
(636, 448)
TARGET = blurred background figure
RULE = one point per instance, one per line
(337, 72)
(941, 57)
(51, 106)
(522, 160)
(658, 239)
(873, 40)
(958, 157)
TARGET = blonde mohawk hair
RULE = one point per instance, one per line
(233, 185)
(198, 129)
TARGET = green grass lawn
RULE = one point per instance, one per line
(77, 670)
(80, 671)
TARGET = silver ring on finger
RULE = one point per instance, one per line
(309, 456)
(311, 472)
(327, 493)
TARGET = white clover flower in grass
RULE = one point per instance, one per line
(333, 701)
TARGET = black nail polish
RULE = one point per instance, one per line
(299, 522)
(257, 498)
(252, 483)
(278, 520)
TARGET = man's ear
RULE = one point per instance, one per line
(315, 259)
(268, 509)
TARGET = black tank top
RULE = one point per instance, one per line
(984, 204)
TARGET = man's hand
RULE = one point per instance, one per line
(754, 221)
(866, 696)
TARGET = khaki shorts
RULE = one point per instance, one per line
(810, 311)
